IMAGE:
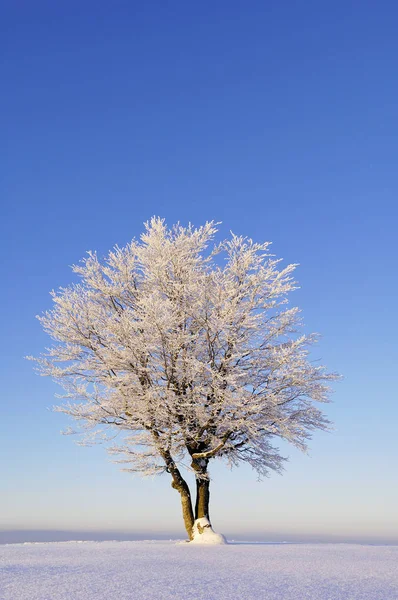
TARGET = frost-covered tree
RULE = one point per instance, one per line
(190, 352)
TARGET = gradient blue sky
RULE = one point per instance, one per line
(278, 119)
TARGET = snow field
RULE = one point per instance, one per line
(166, 570)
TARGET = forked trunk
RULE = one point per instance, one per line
(198, 526)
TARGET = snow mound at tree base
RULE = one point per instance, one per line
(204, 534)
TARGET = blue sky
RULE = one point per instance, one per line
(278, 119)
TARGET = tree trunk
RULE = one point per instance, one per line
(181, 486)
(202, 489)
(202, 498)
(202, 530)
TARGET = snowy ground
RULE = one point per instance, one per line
(164, 570)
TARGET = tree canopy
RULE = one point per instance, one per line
(190, 350)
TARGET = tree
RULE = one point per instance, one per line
(187, 355)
